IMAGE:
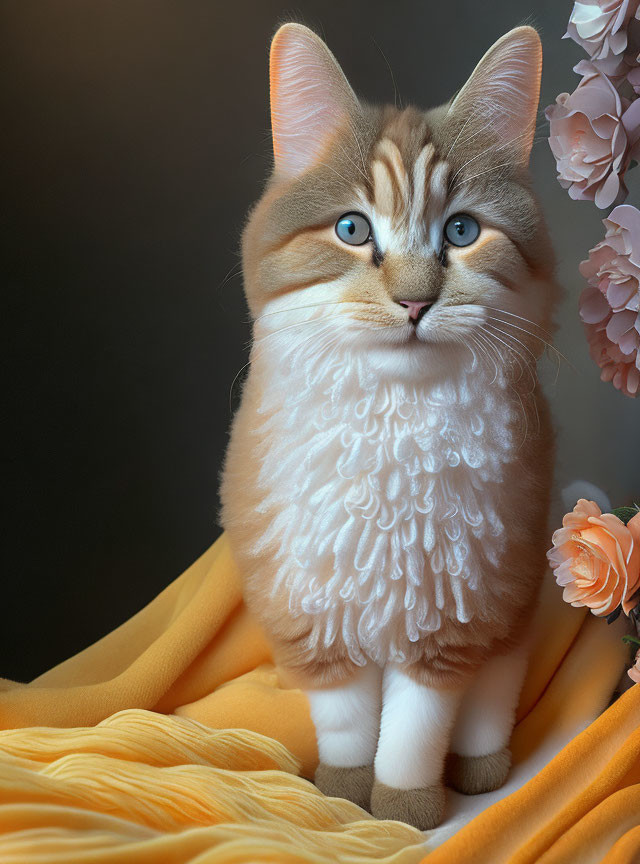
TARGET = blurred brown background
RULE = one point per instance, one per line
(134, 138)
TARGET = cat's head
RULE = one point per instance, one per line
(411, 237)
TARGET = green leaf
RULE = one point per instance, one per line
(631, 640)
(625, 514)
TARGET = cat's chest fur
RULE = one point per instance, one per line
(381, 497)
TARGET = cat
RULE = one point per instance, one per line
(386, 482)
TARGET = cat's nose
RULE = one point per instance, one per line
(416, 308)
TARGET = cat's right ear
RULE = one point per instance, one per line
(310, 98)
(502, 95)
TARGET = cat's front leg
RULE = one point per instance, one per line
(415, 729)
(347, 720)
(480, 758)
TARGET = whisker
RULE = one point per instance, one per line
(469, 138)
(517, 393)
(231, 275)
(534, 335)
(329, 343)
(354, 132)
(524, 416)
(485, 347)
(255, 352)
(396, 95)
(511, 335)
(307, 306)
(534, 382)
(520, 361)
(347, 156)
(528, 364)
(337, 173)
(538, 130)
(455, 140)
(522, 330)
(489, 356)
(464, 180)
(290, 326)
(461, 341)
(496, 145)
(238, 373)
(521, 317)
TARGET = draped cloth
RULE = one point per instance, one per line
(174, 739)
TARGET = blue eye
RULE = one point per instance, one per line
(354, 229)
(461, 230)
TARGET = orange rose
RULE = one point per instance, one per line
(596, 558)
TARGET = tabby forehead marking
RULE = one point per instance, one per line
(422, 164)
(408, 208)
(437, 204)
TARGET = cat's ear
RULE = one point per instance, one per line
(502, 93)
(310, 98)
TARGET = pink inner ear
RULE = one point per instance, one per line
(310, 98)
(504, 88)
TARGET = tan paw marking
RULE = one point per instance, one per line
(354, 784)
(422, 808)
(473, 775)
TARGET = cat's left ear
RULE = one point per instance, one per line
(502, 94)
(310, 99)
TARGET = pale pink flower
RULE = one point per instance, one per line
(634, 672)
(593, 136)
(600, 26)
(610, 304)
(618, 368)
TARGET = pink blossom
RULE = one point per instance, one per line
(620, 369)
(593, 136)
(610, 304)
(600, 26)
(634, 672)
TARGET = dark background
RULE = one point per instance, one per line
(135, 135)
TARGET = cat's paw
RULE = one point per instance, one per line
(354, 784)
(422, 808)
(473, 775)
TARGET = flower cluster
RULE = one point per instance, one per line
(600, 27)
(594, 131)
(595, 137)
(596, 559)
(610, 304)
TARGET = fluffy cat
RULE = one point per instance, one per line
(386, 482)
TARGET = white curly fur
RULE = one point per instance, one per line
(362, 472)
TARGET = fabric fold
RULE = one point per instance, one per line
(175, 738)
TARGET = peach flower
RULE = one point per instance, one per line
(593, 136)
(610, 304)
(634, 672)
(596, 558)
(600, 26)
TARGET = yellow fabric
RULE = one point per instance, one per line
(174, 740)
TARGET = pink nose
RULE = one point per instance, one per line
(414, 307)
